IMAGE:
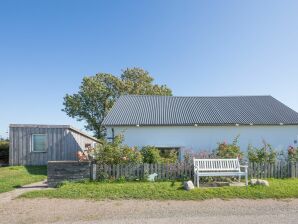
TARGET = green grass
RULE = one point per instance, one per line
(16, 176)
(279, 188)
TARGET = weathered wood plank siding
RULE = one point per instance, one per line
(77, 142)
(62, 143)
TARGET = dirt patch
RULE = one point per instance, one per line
(136, 211)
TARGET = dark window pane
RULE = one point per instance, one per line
(39, 143)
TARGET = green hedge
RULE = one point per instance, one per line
(4, 152)
(4, 145)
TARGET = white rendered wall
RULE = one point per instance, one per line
(206, 138)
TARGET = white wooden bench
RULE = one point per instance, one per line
(218, 167)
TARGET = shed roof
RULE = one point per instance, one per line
(131, 110)
(55, 126)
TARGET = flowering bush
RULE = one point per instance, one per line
(131, 155)
(112, 153)
(292, 153)
(225, 150)
(115, 153)
(189, 154)
(261, 155)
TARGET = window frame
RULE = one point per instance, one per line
(32, 143)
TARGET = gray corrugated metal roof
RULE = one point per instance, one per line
(174, 110)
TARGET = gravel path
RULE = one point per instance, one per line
(8, 196)
(136, 211)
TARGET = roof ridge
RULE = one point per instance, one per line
(133, 95)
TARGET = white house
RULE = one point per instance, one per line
(199, 123)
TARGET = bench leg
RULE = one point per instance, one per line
(195, 179)
(239, 178)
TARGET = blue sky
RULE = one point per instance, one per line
(202, 48)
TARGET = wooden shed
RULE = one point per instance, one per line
(33, 144)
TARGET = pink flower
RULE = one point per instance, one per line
(291, 150)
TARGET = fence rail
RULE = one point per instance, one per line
(140, 171)
(59, 171)
(280, 169)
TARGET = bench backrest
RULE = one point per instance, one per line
(208, 165)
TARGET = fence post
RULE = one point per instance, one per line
(93, 171)
(293, 169)
(145, 170)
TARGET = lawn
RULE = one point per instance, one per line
(279, 188)
(16, 176)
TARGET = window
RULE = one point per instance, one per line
(38, 143)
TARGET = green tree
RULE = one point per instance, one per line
(98, 93)
(95, 97)
(139, 82)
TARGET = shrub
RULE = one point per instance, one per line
(292, 154)
(261, 155)
(115, 153)
(151, 155)
(225, 150)
(172, 157)
(189, 154)
(131, 155)
(4, 151)
(4, 145)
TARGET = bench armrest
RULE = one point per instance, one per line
(246, 166)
